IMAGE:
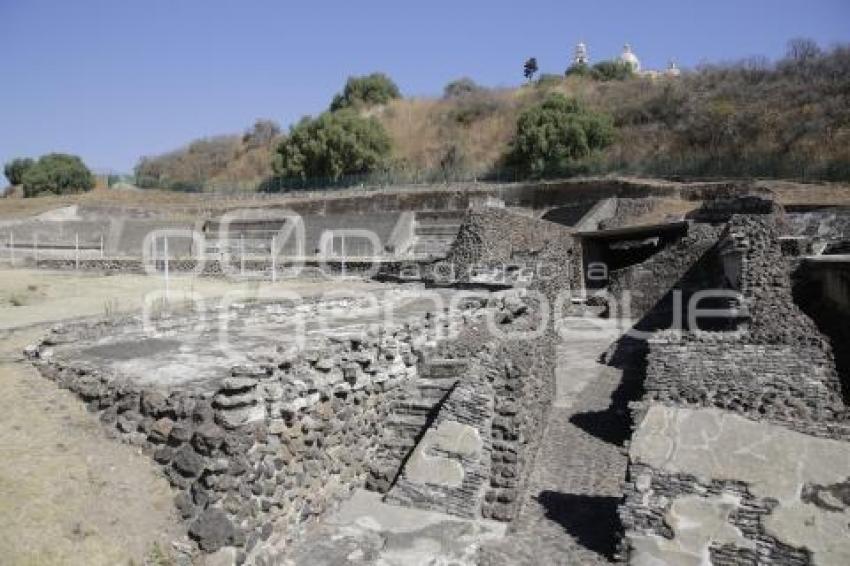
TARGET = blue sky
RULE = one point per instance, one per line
(113, 80)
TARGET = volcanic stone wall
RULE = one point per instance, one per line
(649, 492)
(776, 382)
(688, 265)
(775, 367)
(275, 443)
(627, 211)
(504, 394)
(495, 236)
(778, 366)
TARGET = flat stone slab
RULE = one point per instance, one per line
(196, 351)
(452, 437)
(809, 478)
(366, 530)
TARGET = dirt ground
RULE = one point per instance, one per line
(68, 494)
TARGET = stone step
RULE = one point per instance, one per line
(442, 368)
(421, 406)
(431, 248)
(397, 420)
(431, 388)
(436, 229)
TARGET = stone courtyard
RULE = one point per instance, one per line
(576, 375)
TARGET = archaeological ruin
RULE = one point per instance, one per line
(582, 372)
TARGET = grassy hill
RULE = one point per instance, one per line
(788, 119)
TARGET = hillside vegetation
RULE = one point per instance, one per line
(788, 119)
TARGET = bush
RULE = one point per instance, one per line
(579, 70)
(369, 90)
(556, 133)
(460, 88)
(612, 71)
(57, 173)
(547, 80)
(191, 167)
(474, 107)
(333, 145)
(15, 169)
(262, 133)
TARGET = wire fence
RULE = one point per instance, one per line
(696, 167)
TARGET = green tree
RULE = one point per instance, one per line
(369, 90)
(529, 69)
(333, 145)
(612, 71)
(15, 169)
(57, 173)
(555, 134)
(461, 87)
(578, 69)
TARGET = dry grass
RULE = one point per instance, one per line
(424, 130)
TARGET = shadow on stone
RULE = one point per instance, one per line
(614, 424)
(591, 520)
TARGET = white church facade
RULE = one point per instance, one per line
(582, 57)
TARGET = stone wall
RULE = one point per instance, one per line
(495, 236)
(271, 446)
(646, 511)
(474, 455)
(687, 265)
(627, 210)
(783, 383)
(725, 416)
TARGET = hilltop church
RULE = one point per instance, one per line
(628, 57)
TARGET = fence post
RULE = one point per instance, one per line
(165, 254)
(274, 260)
(241, 254)
(342, 253)
(101, 246)
(77, 251)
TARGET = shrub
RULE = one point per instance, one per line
(369, 90)
(556, 133)
(548, 79)
(333, 145)
(474, 107)
(57, 173)
(578, 69)
(15, 169)
(191, 167)
(612, 71)
(460, 88)
(263, 132)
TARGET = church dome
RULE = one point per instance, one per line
(630, 58)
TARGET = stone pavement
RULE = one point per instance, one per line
(570, 515)
(367, 531)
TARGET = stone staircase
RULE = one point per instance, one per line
(432, 239)
(449, 470)
(410, 416)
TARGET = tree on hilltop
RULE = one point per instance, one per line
(365, 91)
(57, 173)
(529, 69)
(334, 145)
(15, 169)
(555, 133)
